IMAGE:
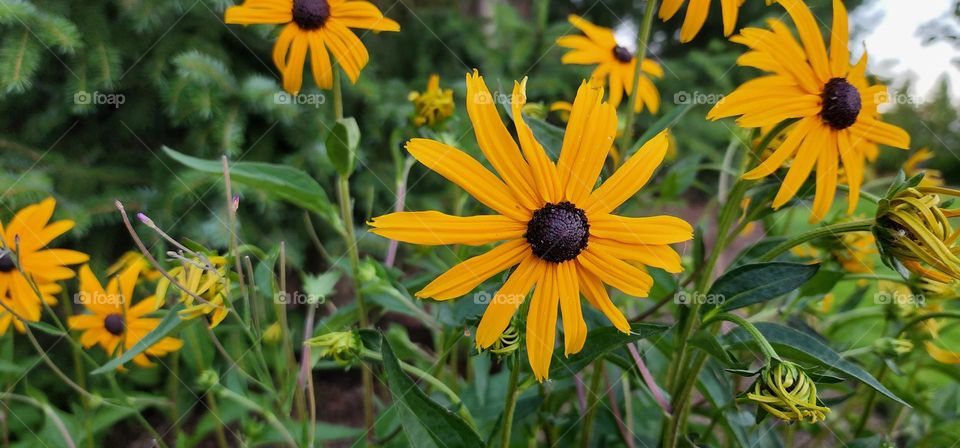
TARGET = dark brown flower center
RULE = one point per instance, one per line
(310, 14)
(114, 324)
(6, 261)
(841, 104)
(558, 232)
(622, 54)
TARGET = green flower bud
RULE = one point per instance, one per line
(785, 391)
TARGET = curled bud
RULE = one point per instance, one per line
(915, 234)
(785, 391)
(207, 379)
(508, 343)
(892, 347)
(341, 346)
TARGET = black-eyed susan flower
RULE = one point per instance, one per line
(433, 105)
(206, 278)
(836, 108)
(115, 322)
(557, 228)
(785, 391)
(615, 63)
(696, 15)
(317, 26)
(24, 257)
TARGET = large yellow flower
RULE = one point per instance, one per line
(558, 229)
(113, 323)
(836, 106)
(614, 62)
(30, 231)
(318, 25)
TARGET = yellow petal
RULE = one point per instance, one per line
(542, 322)
(465, 276)
(826, 179)
(347, 48)
(505, 302)
(786, 149)
(810, 36)
(293, 71)
(544, 172)
(574, 327)
(616, 273)
(658, 256)
(435, 228)
(802, 164)
(648, 230)
(839, 36)
(626, 181)
(941, 355)
(320, 62)
(852, 158)
(465, 171)
(696, 14)
(596, 295)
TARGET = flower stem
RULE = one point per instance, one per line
(643, 38)
(511, 403)
(765, 347)
(831, 230)
(593, 400)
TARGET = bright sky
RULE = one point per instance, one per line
(889, 30)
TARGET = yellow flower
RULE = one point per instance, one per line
(835, 105)
(23, 249)
(785, 391)
(113, 323)
(433, 105)
(697, 14)
(931, 178)
(273, 333)
(941, 355)
(559, 231)
(130, 258)
(614, 62)
(208, 282)
(317, 25)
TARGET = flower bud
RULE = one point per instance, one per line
(892, 347)
(508, 343)
(915, 235)
(784, 390)
(342, 346)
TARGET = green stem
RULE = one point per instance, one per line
(863, 225)
(594, 396)
(868, 408)
(765, 347)
(252, 406)
(511, 403)
(643, 38)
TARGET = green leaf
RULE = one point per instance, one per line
(549, 136)
(342, 143)
(422, 416)
(807, 349)
(759, 282)
(668, 119)
(602, 341)
(19, 60)
(279, 181)
(169, 322)
(318, 287)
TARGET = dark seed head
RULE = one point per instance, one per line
(841, 104)
(558, 232)
(6, 262)
(622, 54)
(310, 14)
(114, 324)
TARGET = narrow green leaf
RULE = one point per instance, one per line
(419, 414)
(807, 349)
(278, 181)
(342, 143)
(169, 322)
(759, 282)
(601, 341)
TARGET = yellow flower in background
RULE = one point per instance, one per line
(208, 282)
(615, 63)
(23, 257)
(314, 25)
(113, 323)
(835, 105)
(558, 229)
(696, 15)
(563, 108)
(931, 178)
(130, 258)
(433, 105)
